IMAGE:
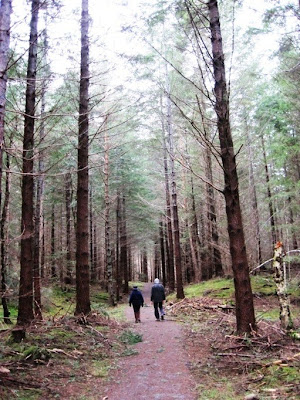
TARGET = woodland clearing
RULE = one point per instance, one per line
(66, 358)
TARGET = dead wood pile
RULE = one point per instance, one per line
(189, 306)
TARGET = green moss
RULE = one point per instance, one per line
(223, 288)
(99, 297)
(22, 394)
(294, 288)
(118, 312)
(269, 315)
(101, 368)
(36, 353)
(58, 302)
(277, 376)
(140, 285)
(263, 285)
(130, 337)
(13, 309)
(220, 288)
(218, 390)
(129, 352)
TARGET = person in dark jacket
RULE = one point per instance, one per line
(137, 300)
(157, 297)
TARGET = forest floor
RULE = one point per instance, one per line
(193, 354)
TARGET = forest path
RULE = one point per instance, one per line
(159, 370)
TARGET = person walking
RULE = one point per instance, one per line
(157, 297)
(137, 300)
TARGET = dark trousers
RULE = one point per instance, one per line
(137, 314)
(157, 305)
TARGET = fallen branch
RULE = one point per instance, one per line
(58, 351)
(235, 355)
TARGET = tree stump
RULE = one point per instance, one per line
(18, 334)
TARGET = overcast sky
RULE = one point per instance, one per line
(108, 17)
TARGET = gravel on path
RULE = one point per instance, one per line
(160, 369)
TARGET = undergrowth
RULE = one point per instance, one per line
(228, 366)
(62, 350)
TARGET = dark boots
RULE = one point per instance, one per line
(137, 316)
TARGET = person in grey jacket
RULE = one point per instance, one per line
(157, 297)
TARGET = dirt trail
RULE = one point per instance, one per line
(159, 370)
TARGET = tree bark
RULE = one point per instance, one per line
(194, 237)
(108, 252)
(243, 293)
(215, 260)
(144, 265)
(118, 264)
(253, 197)
(170, 244)
(5, 13)
(43, 251)
(40, 184)
(95, 253)
(83, 305)
(3, 237)
(68, 200)
(162, 251)
(53, 255)
(281, 289)
(25, 311)
(270, 202)
(157, 269)
(92, 266)
(60, 258)
(123, 245)
(176, 233)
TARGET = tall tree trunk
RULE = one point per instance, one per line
(83, 305)
(162, 251)
(157, 269)
(95, 254)
(144, 265)
(3, 237)
(292, 224)
(92, 240)
(68, 199)
(123, 246)
(129, 258)
(43, 251)
(215, 260)
(271, 207)
(25, 311)
(119, 273)
(291, 219)
(53, 255)
(243, 293)
(176, 233)
(194, 237)
(5, 13)
(167, 247)
(108, 252)
(253, 197)
(40, 183)
(61, 264)
(170, 244)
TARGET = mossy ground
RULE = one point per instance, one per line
(61, 354)
(63, 358)
(228, 366)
